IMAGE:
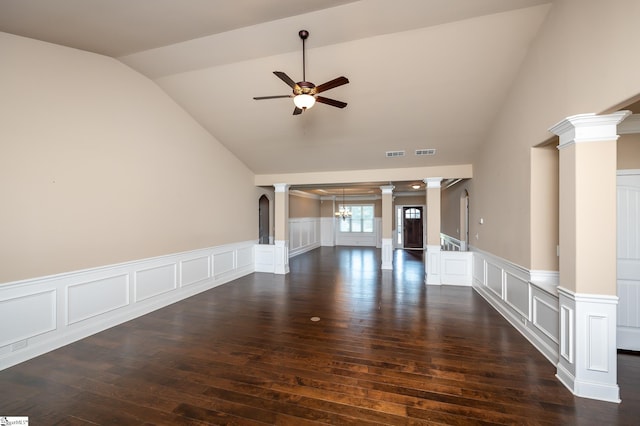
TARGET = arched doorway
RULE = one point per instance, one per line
(464, 221)
(263, 220)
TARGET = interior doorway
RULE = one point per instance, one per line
(464, 221)
(628, 260)
(263, 220)
(412, 227)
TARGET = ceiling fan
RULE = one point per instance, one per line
(305, 93)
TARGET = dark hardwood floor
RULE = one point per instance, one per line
(387, 350)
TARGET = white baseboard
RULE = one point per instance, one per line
(49, 312)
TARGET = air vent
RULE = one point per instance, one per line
(394, 154)
(429, 151)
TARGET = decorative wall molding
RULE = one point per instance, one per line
(432, 266)
(387, 253)
(456, 268)
(588, 360)
(591, 127)
(281, 257)
(49, 312)
(630, 125)
(304, 235)
(327, 231)
(532, 309)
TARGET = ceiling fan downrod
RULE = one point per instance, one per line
(304, 34)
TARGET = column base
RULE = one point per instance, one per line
(432, 274)
(587, 361)
(387, 253)
(281, 265)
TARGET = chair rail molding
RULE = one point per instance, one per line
(49, 312)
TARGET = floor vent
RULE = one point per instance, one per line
(430, 151)
(394, 154)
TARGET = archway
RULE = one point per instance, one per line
(263, 220)
(464, 221)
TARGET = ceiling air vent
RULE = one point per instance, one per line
(429, 151)
(394, 154)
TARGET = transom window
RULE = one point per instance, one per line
(361, 220)
(412, 213)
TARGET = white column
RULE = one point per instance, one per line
(587, 362)
(281, 228)
(387, 226)
(433, 258)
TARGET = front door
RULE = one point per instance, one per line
(412, 225)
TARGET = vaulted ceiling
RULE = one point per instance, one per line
(424, 74)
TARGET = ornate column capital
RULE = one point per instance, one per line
(387, 189)
(433, 182)
(281, 187)
(588, 128)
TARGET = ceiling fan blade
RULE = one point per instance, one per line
(259, 98)
(284, 77)
(297, 111)
(332, 102)
(331, 84)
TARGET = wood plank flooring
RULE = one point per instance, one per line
(387, 350)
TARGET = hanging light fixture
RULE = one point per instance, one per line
(343, 212)
(304, 101)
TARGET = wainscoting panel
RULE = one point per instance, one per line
(304, 235)
(494, 279)
(327, 231)
(456, 267)
(89, 299)
(49, 312)
(532, 309)
(517, 294)
(223, 262)
(479, 270)
(545, 317)
(155, 281)
(194, 270)
(265, 258)
(30, 315)
(244, 258)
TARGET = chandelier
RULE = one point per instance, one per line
(343, 212)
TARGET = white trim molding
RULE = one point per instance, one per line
(518, 295)
(432, 266)
(281, 257)
(49, 312)
(630, 125)
(387, 253)
(304, 235)
(433, 182)
(588, 128)
(587, 364)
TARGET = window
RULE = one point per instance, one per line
(412, 213)
(361, 220)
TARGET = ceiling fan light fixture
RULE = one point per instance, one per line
(304, 101)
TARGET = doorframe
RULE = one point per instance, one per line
(399, 231)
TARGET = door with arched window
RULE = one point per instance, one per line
(412, 226)
(263, 220)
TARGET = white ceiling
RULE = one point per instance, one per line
(423, 73)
